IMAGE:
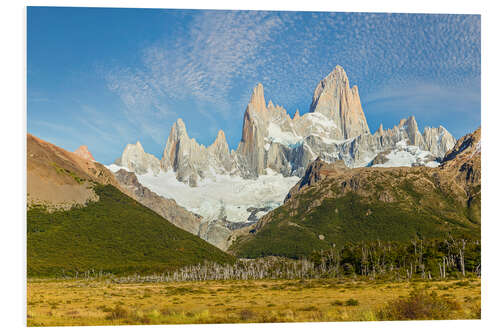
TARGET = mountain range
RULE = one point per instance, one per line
(293, 186)
(273, 154)
(335, 128)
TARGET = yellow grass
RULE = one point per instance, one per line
(80, 302)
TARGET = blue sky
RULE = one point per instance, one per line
(106, 77)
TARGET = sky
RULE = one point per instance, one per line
(106, 77)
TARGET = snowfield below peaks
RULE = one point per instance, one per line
(225, 196)
(405, 155)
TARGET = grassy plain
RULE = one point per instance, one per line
(103, 302)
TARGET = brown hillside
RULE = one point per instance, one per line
(58, 178)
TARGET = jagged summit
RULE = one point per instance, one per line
(337, 74)
(257, 102)
(220, 143)
(135, 159)
(380, 130)
(179, 128)
(221, 135)
(83, 152)
(334, 98)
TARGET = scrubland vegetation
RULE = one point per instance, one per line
(433, 279)
(104, 302)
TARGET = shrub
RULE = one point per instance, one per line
(352, 302)
(246, 314)
(419, 305)
(461, 284)
(118, 312)
(476, 311)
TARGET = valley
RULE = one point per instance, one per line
(311, 218)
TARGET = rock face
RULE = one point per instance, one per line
(216, 232)
(335, 128)
(136, 160)
(192, 161)
(166, 208)
(337, 101)
(316, 172)
(463, 166)
(83, 152)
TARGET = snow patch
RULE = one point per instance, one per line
(320, 120)
(406, 155)
(114, 168)
(232, 195)
(337, 142)
(275, 134)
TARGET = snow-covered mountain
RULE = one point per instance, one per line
(275, 150)
(335, 128)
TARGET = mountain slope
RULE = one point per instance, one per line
(115, 234)
(167, 208)
(105, 229)
(334, 205)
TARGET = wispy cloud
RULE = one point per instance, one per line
(217, 56)
(200, 63)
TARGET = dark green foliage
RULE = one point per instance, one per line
(418, 259)
(419, 305)
(352, 218)
(352, 302)
(60, 170)
(421, 258)
(115, 234)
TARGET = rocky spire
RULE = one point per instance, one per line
(220, 142)
(257, 102)
(83, 152)
(411, 127)
(136, 160)
(255, 122)
(296, 115)
(190, 160)
(334, 98)
(380, 130)
(438, 140)
(177, 134)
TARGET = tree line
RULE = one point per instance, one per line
(417, 259)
